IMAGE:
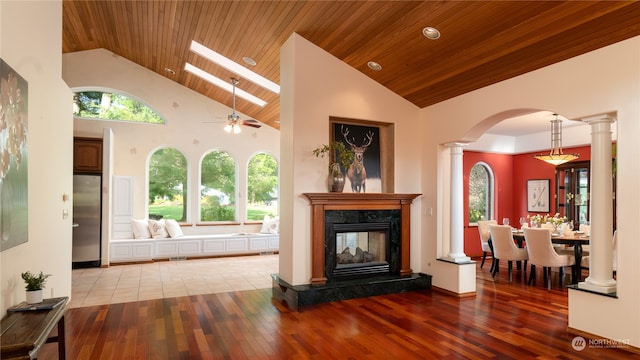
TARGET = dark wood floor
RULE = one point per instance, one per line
(504, 320)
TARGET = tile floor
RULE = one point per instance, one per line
(165, 279)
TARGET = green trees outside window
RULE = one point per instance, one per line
(168, 184)
(262, 187)
(111, 106)
(480, 193)
(218, 187)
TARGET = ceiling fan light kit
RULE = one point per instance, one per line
(556, 156)
(233, 120)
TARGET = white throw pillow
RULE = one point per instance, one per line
(173, 228)
(270, 225)
(158, 230)
(140, 229)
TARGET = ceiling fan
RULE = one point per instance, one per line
(233, 120)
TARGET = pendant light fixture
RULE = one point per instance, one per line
(556, 156)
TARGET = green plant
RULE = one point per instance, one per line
(337, 151)
(33, 281)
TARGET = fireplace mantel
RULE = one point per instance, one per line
(321, 202)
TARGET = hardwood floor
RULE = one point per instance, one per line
(504, 320)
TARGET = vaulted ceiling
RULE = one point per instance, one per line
(481, 43)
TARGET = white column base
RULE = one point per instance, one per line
(606, 287)
(457, 258)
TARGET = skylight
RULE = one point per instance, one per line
(226, 85)
(234, 67)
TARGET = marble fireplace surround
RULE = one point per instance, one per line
(323, 202)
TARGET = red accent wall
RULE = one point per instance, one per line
(511, 173)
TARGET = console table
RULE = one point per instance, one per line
(23, 333)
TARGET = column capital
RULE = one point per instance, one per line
(456, 144)
(599, 119)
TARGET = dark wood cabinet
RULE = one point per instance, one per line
(87, 155)
(573, 190)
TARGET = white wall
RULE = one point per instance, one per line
(603, 81)
(315, 86)
(187, 130)
(30, 42)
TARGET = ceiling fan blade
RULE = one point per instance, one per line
(252, 123)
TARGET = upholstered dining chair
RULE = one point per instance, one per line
(504, 248)
(542, 253)
(584, 263)
(485, 235)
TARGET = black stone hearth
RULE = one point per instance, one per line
(299, 296)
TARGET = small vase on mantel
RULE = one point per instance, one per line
(336, 178)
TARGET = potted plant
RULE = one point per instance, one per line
(35, 285)
(340, 157)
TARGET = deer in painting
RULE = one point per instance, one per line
(356, 173)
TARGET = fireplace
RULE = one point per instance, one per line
(376, 224)
(361, 243)
(368, 210)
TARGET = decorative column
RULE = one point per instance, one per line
(456, 217)
(600, 208)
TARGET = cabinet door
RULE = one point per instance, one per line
(572, 181)
(87, 155)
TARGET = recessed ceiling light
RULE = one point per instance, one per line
(234, 67)
(374, 66)
(170, 71)
(431, 33)
(223, 84)
(249, 61)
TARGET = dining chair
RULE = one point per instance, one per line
(584, 263)
(485, 236)
(542, 253)
(504, 248)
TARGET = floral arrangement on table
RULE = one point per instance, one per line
(555, 220)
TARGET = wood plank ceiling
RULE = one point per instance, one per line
(482, 42)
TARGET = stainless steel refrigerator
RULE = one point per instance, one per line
(87, 224)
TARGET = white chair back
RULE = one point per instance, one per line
(585, 228)
(541, 251)
(504, 248)
(483, 229)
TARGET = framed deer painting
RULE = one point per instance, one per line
(367, 172)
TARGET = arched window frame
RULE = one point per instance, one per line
(123, 94)
(275, 206)
(232, 199)
(186, 194)
(490, 193)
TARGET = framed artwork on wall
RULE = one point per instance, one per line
(538, 195)
(372, 144)
(13, 158)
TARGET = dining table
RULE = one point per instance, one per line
(575, 239)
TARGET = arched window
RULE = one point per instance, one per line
(262, 187)
(480, 193)
(168, 185)
(218, 187)
(111, 106)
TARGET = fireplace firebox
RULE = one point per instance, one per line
(358, 250)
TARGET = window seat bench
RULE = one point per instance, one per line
(191, 246)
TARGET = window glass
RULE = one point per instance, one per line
(262, 187)
(480, 193)
(218, 187)
(168, 185)
(111, 106)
